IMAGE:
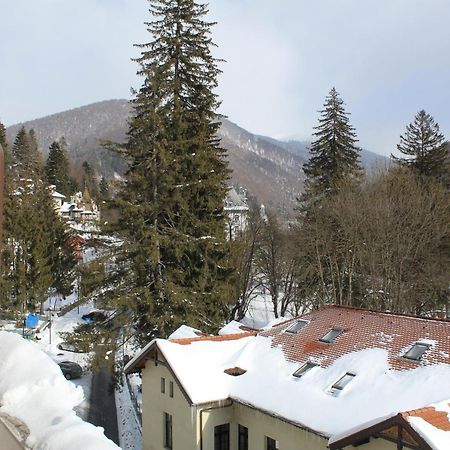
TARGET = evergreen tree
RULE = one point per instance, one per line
(334, 155)
(171, 206)
(3, 141)
(37, 254)
(424, 147)
(90, 179)
(57, 169)
(27, 160)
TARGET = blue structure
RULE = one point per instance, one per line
(32, 321)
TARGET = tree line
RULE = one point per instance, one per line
(378, 240)
(37, 253)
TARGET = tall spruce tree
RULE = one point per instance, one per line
(334, 155)
(57, 169)
(27, 159)
(3, 140)
(171, 206)
(424, 147)
(90, 181)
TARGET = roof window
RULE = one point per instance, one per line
(341, 383)
(416, 352)
(303, 369)
(331, 335)
(296, 326)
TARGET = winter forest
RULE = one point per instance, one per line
(376, 238)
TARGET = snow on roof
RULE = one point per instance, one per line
(371, 346)
(34, 390)
(66, 207)
(232, 328)
(185, 331)
(269, 384)
(432, 424)
(57, 195)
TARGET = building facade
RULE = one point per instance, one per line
(323, 380)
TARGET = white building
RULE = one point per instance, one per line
(333, 378)
(236, 211)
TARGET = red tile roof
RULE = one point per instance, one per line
(227, 337)
(438, 419)
(363, 329)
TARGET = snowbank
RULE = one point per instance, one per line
(185, 331)
(34, 390)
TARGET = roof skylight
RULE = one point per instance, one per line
(416, 352)
(303, 369)
(296, 326)
(331, 335)
(341, 383)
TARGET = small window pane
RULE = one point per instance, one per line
(416, 351)
(303, 369)
(271, 444)
(243, 438)
(222, 437)
(163, 385)
(341, 383)
(331, 335)
(171, 389)
(167, 431)
(296, 326)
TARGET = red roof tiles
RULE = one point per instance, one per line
(438, 419)
(363, 329)
(227, 337)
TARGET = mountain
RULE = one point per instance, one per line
(269, 169)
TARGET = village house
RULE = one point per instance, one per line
(81, 207)
(334, 378)
(236, 213)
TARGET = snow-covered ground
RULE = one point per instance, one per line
(130, 432)
(34, 390)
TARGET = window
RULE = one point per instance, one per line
(303, 369)
(243, 438)
(342, 382)
(167, 430)
(416, 352)
(171, 389)
(222, 437)
(296, 326)
(163, 385)
(331, 335)
(271, 444)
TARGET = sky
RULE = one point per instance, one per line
(387, 58)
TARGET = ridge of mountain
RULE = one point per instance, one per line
(269, 169)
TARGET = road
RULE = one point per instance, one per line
(102, 411)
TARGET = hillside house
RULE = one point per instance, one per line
(81, 208)
(333, 378)
(58, 199)
(236, 213)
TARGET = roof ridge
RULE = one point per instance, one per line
(227, 337)
(388, 313)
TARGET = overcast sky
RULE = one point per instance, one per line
(387, 58)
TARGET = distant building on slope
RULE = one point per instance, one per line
(236, 213)
(80, 209)
(333, 378)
